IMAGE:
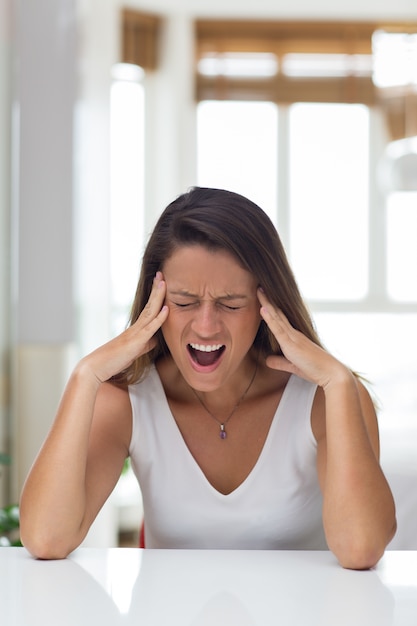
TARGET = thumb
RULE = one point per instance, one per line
(280, 363)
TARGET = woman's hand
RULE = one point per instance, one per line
(301, 356)
(138, 339)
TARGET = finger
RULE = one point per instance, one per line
(155, 301)
(276, 362)
(156, 322)
(151, 319)
(272, 312)
(158, 290)
(262, 297)
(140, 337)
(276, 320)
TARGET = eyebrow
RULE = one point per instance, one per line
(188, 294)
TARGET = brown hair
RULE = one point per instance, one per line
(219, 219)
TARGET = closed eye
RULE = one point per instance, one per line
(182, 305)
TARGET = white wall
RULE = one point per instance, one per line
(5, 172)
(97, 51)
(301, 9)
(43, 322)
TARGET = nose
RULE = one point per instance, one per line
(206, 321)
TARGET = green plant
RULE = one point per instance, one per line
(9, 526)
(9, 518)
(4, 459)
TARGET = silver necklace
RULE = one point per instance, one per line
(223, 433)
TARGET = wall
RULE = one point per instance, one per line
(5, 172)
(44, 82)
(301, 9)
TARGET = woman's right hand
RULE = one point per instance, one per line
(138, 339)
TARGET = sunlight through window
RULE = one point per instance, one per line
(401, 246)
(237, 149)
(329, 173)
(127, 187)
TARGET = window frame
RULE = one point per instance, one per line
(221, 37)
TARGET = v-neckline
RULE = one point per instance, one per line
(258, 463)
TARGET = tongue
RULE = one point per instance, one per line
(206, 358)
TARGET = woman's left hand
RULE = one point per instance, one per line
(301, 356)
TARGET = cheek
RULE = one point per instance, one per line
(171, 329)
(256, 323)
(166, 330)
(248, 328)
(253, 319)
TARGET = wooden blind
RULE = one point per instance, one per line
(400, 114)
(283, 37)
(222, 37)
(140, 38)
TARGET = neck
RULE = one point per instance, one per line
(221, 401)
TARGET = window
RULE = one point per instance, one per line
(351, 245)
(401, 246)
(127, 188)
(237, 149)
(328, 199)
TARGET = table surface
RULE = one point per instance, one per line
(126, 586)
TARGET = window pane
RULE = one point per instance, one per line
(237, 149)
(127, 193)
(401, 246)
(313, 65)
(395, 58)
(329, 172)
(381, 347)
(238, 64)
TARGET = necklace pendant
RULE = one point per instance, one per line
(223, 433)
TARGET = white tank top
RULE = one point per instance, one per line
(278, 506)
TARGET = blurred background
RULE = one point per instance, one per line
(109, 109)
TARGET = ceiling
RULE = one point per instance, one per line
(320, 9)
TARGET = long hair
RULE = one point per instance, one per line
(221, 220)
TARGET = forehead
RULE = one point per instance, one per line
(197, 265)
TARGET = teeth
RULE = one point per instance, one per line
(202, 348)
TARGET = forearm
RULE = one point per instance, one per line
(53, 501)
(358, 508)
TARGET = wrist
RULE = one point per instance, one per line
(85, 374)
(342, 378)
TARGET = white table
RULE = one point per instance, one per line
(126, 586)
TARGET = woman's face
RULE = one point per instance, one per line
(213, 315)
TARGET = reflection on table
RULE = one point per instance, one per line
(122, 586)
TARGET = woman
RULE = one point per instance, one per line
(242, 430)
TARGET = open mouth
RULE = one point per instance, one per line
(205, 355)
